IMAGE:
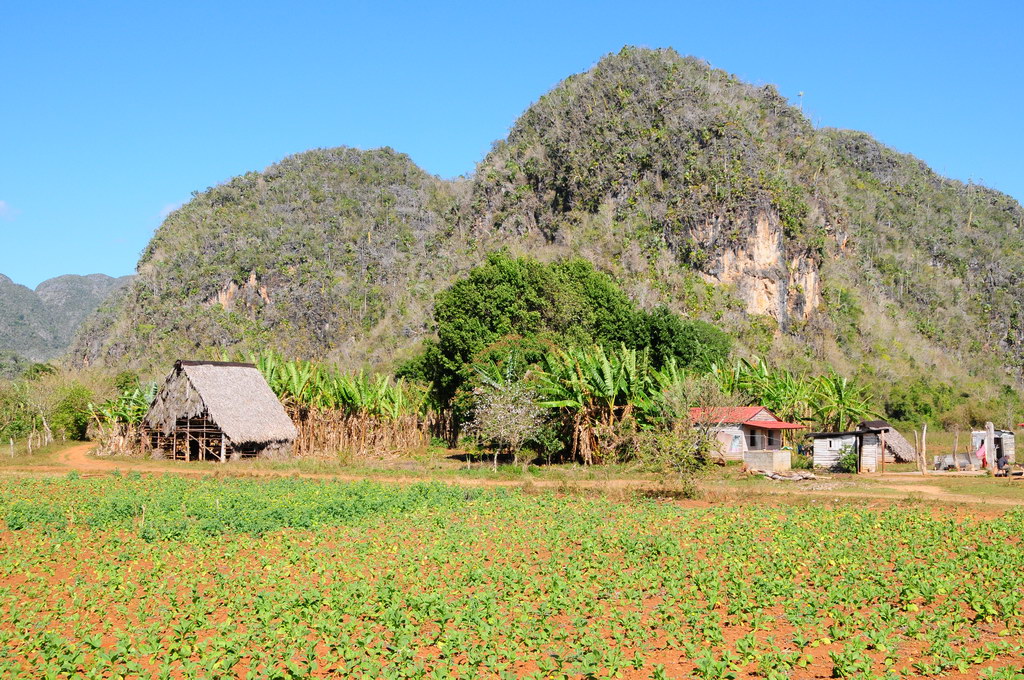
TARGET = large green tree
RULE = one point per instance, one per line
(526, 307)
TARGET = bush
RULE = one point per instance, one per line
(847, 460)
(674, 454)
(801, 461)
(690, 343)
(507, 415)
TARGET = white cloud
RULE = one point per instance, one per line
(169, 208)
(6, 211)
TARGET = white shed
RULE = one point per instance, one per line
(1005, 443)
(829, 447)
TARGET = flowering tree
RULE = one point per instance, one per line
(506, 414)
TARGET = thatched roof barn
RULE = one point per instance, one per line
(217, 410)
(897, 448)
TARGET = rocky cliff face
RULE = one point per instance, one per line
(251, 295)
(763, 275)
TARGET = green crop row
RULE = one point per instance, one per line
(315, 579)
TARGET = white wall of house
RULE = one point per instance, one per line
(827, 450)
(1004, 440)
(735, 439)
(732, 442)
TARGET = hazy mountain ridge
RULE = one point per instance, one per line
(815, 246)
(40, 324)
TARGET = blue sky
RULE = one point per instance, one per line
(111, 114)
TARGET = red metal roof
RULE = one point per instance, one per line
(742, 415)
(727, 414)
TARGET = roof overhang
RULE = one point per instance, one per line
(775, 425)
(817, 435)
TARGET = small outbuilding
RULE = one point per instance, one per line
(897, 448)
(218, 411)
(875, 442)
(740, 430)
(831, 447)
(1004, 440)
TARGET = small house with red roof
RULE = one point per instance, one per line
(743, 429)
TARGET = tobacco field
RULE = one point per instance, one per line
(176, 578)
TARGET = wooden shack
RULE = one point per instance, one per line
(1005, 442)
(829, 447)
(897, 448)
(217, 411)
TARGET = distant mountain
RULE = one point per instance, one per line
(815, 247)
(40, 324)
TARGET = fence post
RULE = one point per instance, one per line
(990, 445)
(924, 449)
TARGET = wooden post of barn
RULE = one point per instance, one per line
(223, 448)
(990, 446)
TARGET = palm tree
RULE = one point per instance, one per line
(838, 403)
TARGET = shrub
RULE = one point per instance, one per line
(675, 454)
(847, 460)
(802, 461)
(507, 415)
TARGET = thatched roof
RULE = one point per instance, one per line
(902, 450)
(234, 396)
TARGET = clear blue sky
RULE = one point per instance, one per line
(111, 113)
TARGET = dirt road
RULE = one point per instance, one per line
(78, 458)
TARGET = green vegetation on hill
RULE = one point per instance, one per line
(882, 269)
(675, 153)
(814, 248)
(333, 251)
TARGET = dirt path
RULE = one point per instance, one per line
(78, 458)
(923, 492)
(931, 492)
